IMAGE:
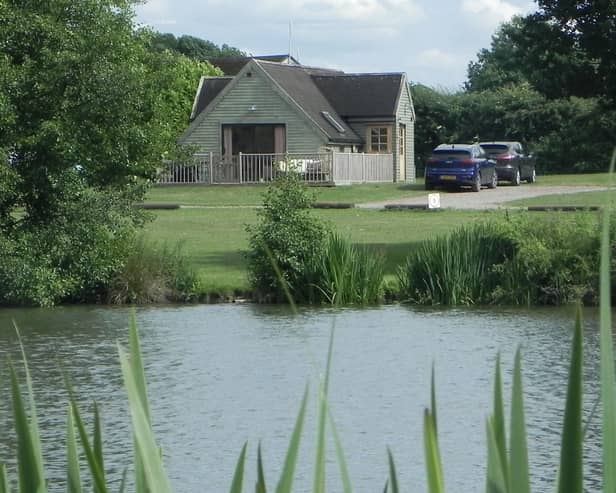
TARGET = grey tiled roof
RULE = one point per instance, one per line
(209, 89)
(361, 95)
(297, 82)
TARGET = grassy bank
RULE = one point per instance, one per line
(214, 238)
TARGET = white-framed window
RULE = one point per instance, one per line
(379, 139)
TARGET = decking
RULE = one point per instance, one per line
(330, 168)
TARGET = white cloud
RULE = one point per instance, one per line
(434, 57)
(492, 12)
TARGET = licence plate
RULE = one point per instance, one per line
(447, 177)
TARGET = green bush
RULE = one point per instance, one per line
(74, 255)
(286, 239)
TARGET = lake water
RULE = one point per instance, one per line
(222, 374)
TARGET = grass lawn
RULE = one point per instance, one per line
(214, 238)
(583, 199)
(246, 195)
(588, 179)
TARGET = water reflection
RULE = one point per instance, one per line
(223, 374)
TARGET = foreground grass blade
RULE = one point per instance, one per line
(73, 481)
(500, 434)
(393, 476)
(146, 449)
(30, 463)
(98, 442)
(4, 482)
(433, 457)
(319, 465)
(344, 471)
(495, 482)
(285, 484)
(571, 477)
(518, 466)
(608, 396)
(98, 476)
(260, 486)
(238, 476)
(433, 401)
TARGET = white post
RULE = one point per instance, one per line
(239, 163)
(211, 168)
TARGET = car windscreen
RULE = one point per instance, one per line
(446, 154)
(495, 149)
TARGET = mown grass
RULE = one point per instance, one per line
(252, 195)
(582, 199)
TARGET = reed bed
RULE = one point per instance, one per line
(345, 274)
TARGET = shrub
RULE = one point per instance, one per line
(547, 260)
(285, 240)
(74, 255)
(153, 274)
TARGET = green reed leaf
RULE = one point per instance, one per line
(97, 474)
(98, 441)
(319, 465)
(518, 465)
(342, 464)
(608, 394)
(285, 484)
(4, 481)
(30, 463)
(260, 486)
(238, 476)
(393, 476)
(146, 449)
(500, 434)
(495, 478)
(571, 476)
(73, 482)
(433, 400)
(434, 469)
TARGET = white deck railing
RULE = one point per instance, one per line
(325, 168)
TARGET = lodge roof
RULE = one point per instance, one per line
(328, 97)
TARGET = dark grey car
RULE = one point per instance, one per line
(512, 163)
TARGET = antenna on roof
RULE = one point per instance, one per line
(290, 38)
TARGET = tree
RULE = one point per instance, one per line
(193, 47)
(564, 49)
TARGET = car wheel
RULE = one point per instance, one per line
(533, 177)
(494, 181)
(429, 186)
(516, 178)
(477, 183)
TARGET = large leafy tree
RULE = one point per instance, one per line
(564, 49)
(81, 91)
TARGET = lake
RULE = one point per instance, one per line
(222, 374)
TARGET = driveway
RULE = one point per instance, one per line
(486, 199)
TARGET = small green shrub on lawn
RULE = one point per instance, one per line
(286, 239)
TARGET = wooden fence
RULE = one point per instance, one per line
(326, 168)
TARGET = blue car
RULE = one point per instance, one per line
(460, 165)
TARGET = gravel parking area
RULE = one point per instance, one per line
(486, 199)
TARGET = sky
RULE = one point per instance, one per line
(432, 41)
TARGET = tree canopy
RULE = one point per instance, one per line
(81, 90)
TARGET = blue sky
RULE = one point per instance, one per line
(432, 41)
